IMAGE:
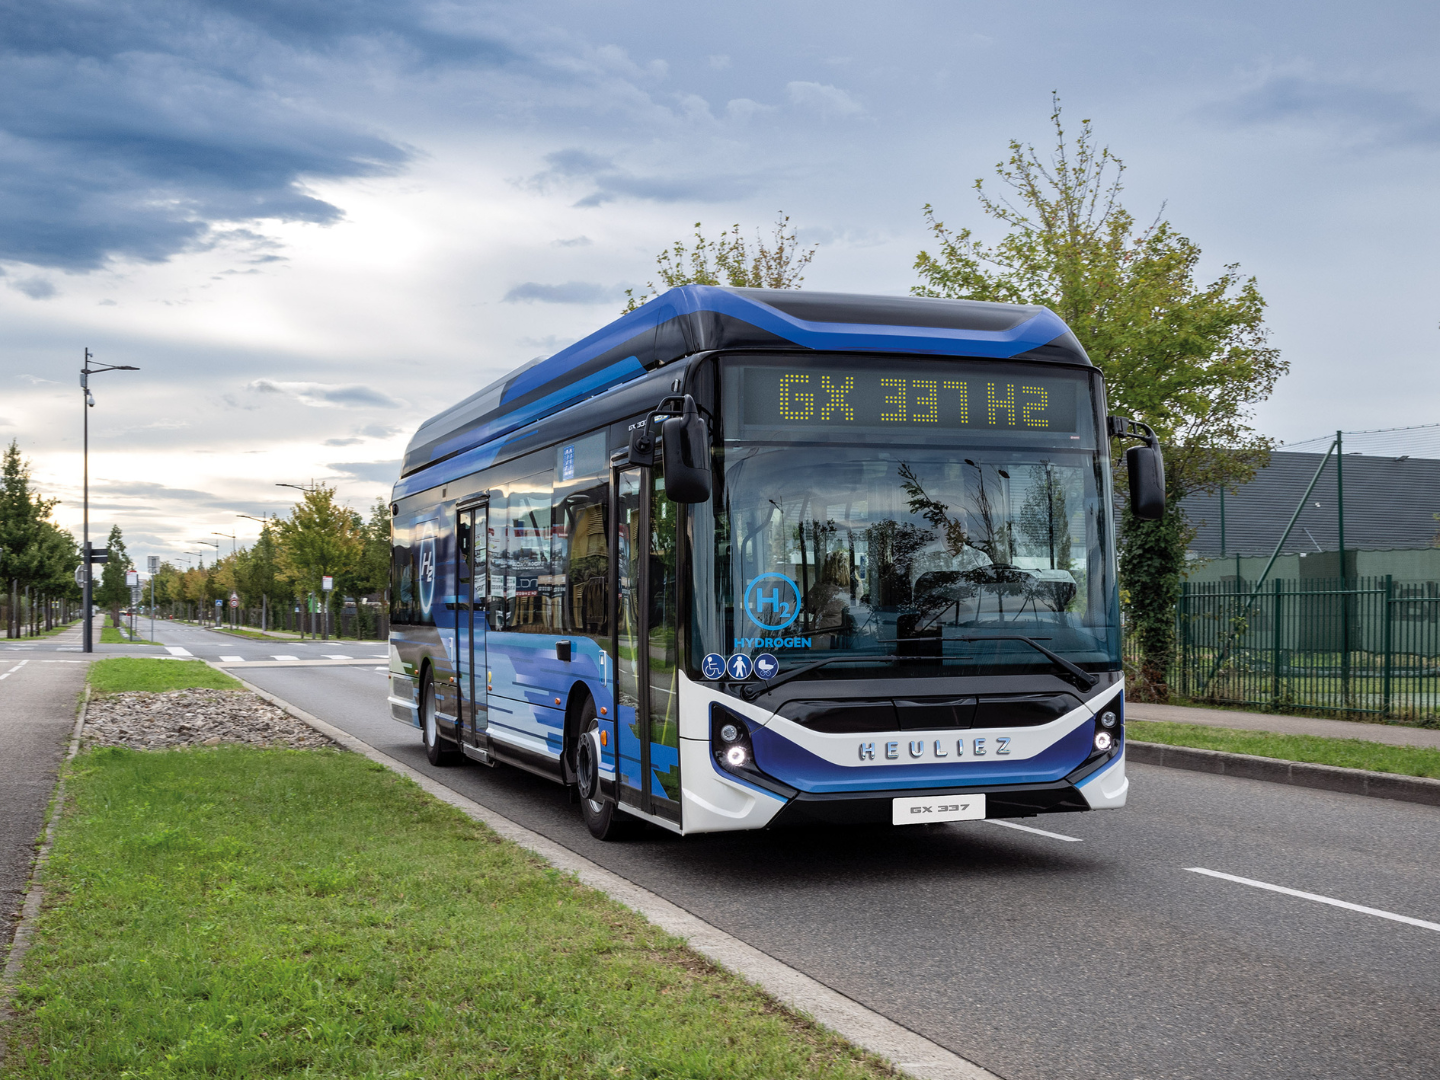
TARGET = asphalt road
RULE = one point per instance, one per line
(39, 695)
(1034, 956)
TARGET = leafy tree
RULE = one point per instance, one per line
(320, 538)
(113, 593)
(35, 554)
(1186, 357)
(729, 260)
(257, 571)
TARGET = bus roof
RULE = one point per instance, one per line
(699, 318)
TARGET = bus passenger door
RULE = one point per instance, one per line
(470, 622)
(647, 728)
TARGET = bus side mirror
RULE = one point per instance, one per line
(687, 456)
(1146, 467)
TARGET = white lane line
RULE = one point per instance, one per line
(1317, 898)
(1037, 832)
(14, 669)
(338, 656)
(273, 657)
(233, 659)
(176, 650)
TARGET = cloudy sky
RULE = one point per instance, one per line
(314, 223)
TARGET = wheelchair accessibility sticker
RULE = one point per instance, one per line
(772, 601)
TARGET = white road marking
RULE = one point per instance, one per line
(232, 659)
(273, 657)
(176, 650)
(1317, 898)
(14, 669)
(1037, 832)
(338, 656)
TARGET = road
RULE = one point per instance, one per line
(1103, 955)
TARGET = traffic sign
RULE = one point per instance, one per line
(132, 578)
(327, 583)
(152, 563)
(234, 600)
(80, 575)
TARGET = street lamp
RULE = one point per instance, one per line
(87, 635)
(299, 487)
(232, 542)
(216, 545)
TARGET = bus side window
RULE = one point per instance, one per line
(402, 578)
(498, 562)
(585, 561)
(528, 555)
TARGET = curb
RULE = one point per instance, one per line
(906, 1050)
(1376, 785)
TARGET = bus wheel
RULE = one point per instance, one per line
(603, 818)
(435, 750)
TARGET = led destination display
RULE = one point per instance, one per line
(911, 398)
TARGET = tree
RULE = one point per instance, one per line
(35, 553)
(113, 593)
(1189, 359)
(728, 260)
(320, 538)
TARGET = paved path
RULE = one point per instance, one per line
(39, 694)
(1394, 734)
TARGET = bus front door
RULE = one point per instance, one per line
(646, 668)
(470, 624)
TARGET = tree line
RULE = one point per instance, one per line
(287, 565)
(1186, 356)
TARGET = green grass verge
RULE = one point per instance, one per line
(234, 912)
(1317, 749)
(121, 674)
(113, 635)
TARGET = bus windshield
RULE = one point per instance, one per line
(909, 509)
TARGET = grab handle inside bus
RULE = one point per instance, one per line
(687, 455)
(1145, 466)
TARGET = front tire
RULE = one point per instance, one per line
(603, 818)
(437, 750)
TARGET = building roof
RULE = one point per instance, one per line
(1390, 504)
(699, 318)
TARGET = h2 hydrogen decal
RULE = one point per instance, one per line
(713, 666)
(772, 601)
(427, 566)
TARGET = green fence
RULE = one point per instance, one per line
(1357, 645)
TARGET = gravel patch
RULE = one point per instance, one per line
(148, 721)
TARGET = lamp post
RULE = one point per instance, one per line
(216, 545)
(88, 403)
(231, 537)
(264, 597)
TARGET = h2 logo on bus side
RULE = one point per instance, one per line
(772, 601)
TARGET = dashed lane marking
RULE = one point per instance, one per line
(233, 659)
(176, 650)
(1379, 914)
(1032, 829)
(338, 656)
(273, 657)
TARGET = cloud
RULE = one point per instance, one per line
(719, 62)
(342, 442)
(37, 288)
(611, 182)
(1364, 115)
(572, 292)
(326, 395)
(134, 130)
(379, 472)
(6, 422)
(574, 241)
(379, 431)
(743, 109)
(36, 380)
(823, 98)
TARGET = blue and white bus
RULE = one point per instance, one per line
(750, 557)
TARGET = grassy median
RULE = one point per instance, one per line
(1316, 749)
(125, 674)
(235, 912)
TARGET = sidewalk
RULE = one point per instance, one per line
(1390, 734)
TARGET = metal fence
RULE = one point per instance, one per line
(1352, 645)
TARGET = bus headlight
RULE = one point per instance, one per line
(1103, 741)
(729, 733)
(736, 756)
(1107, 719)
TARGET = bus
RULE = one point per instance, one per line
(747, 558)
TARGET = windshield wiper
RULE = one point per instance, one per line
(1084, 679)
(751, 690)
